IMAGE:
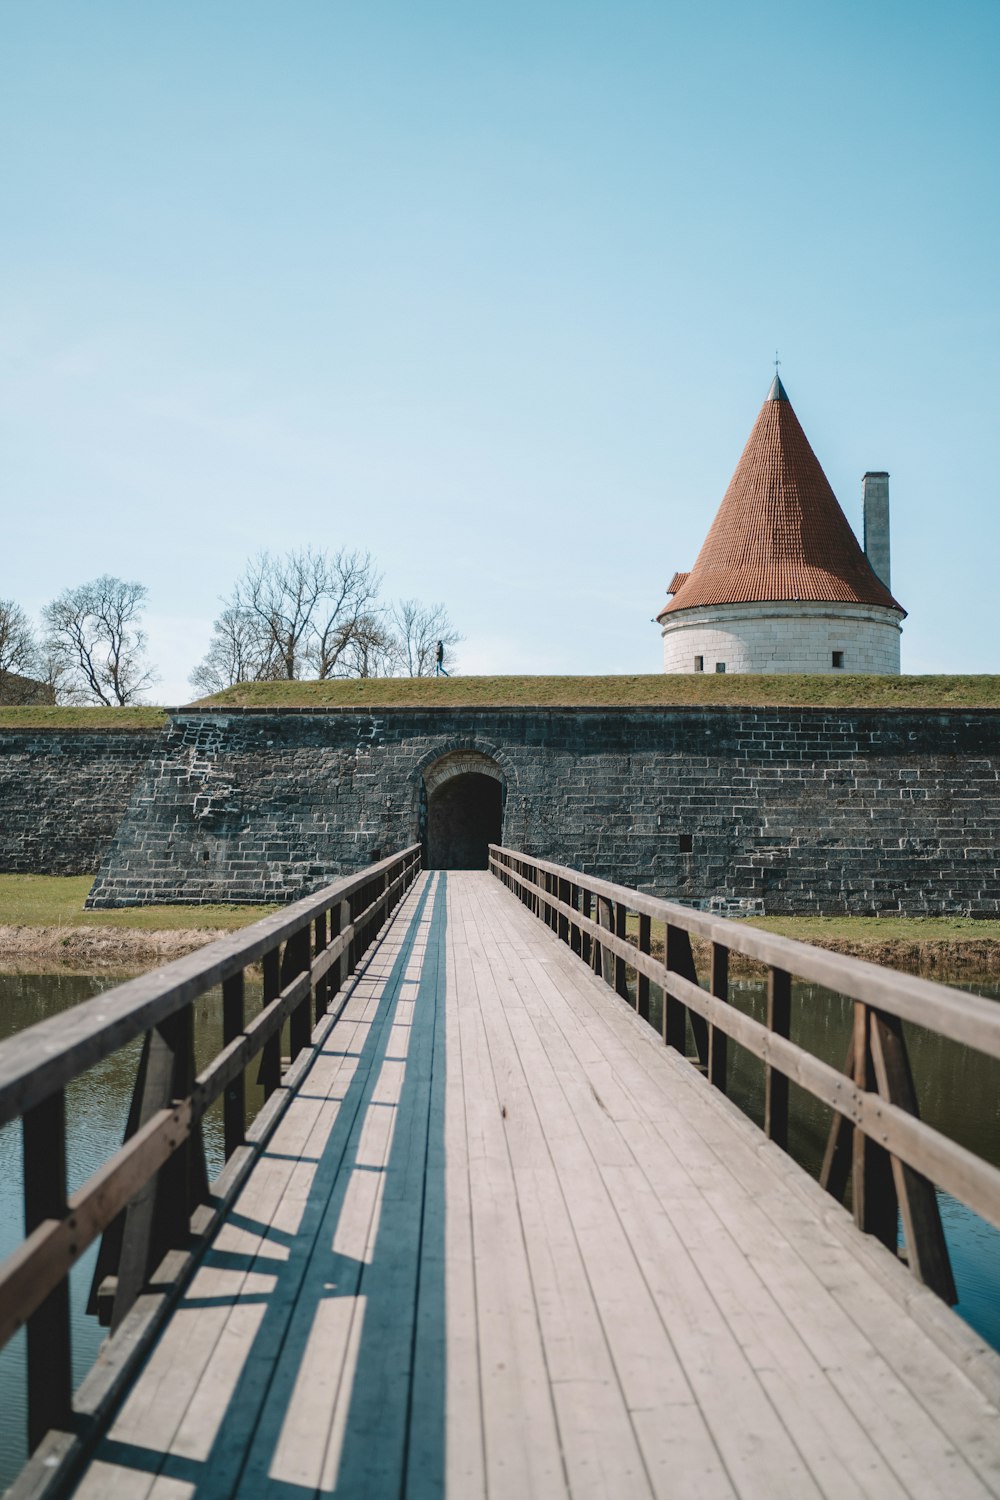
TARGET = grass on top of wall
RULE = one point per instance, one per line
(57, 901)
(659, 689)
(49, 716)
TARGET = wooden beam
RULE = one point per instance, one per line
(717, 1042)
(835, 1172)
(642, 978)
(923, 1232)
(50, 1372)
(873, 1188)
(779, 1015)
(234, 1107)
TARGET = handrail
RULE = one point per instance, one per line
(877, 1137)
(971, 1018)
(52, 1053)
(308, 950)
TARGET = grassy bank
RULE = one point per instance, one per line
(57, 901)
(43, 927)
(688, 690)
(655, 689)
(53, 717)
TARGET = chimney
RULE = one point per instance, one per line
(875, 504)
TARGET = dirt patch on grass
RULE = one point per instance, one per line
(97, 947)
(944, 959)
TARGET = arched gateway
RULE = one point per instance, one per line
(464, 795)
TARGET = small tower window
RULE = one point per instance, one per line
(838, 658)
(720, 666)
(699, 664)
(686, 842)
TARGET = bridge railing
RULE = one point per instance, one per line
(152, 1195)
(877, 1140)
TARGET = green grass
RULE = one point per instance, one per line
(881, 929)
(657, 689)
(653, 690)
(57, 901)
(39, 716)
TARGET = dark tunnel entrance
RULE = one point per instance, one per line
(464, 816)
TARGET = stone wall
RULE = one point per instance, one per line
(783, 637)
(63, 793)
(785, 810)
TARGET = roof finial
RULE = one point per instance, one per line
(777, 391)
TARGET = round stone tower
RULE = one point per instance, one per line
(781, 584)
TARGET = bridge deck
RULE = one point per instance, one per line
(503, 1243)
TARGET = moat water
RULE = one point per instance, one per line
(958, 1090)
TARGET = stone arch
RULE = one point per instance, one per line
(462, 791)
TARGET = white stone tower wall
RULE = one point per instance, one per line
(783, 637)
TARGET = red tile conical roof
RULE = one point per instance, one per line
(779, 532)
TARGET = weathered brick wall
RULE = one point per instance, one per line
(63, 793)
(787, 810)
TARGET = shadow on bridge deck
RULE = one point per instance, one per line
(309, 1353)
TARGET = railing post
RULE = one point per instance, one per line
(295, 961)
(873, 1190)
(717, 1039)
(621, 931)
(234, 1102)
(50, 1376)
(269, 1073)
(562, 921)
(587, 945)
(680, 960)
(926, 1249)
(158, 1218)
(779, 1016)
(320, 940)
(600, 958)
(642, 980)
(574, 930)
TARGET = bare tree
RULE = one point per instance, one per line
(418, 628)
(94, 636)
(233, 656)
(370, 650)
(292, 616)
(19, 653)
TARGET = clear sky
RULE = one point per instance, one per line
(492, 291)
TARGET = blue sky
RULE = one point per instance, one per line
(492, 291)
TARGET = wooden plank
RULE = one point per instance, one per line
(520, 1435)
(599, 1446)
(446, 1341)
(864, 1386)
(681, 1314)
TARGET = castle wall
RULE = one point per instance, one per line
(786, 810)
(782, 637)
(63, 794)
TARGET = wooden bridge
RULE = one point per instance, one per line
(489, 1235)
